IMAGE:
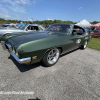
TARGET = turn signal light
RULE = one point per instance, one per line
(27, 63)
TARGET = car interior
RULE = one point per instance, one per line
(78, 30)
(33, 28)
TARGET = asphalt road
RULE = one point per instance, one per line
(76, 76)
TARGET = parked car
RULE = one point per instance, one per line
(95, 33)
(24, 28)
(46, 46)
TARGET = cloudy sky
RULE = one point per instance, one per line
(74, 10)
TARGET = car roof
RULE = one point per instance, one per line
(66, 24)
(62, 24)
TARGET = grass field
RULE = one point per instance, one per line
(94, 43)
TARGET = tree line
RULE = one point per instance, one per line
(44, 22)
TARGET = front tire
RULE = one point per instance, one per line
(51, 57)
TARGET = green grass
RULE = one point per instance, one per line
(94, 43)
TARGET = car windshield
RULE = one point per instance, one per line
(22, 27)
(59, 28)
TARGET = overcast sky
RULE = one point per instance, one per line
(73, 10)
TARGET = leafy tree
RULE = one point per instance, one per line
(94, 22)
(44, 22)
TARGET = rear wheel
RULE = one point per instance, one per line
(85, 45)
(51, 57)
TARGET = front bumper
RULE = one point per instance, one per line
(8, 46)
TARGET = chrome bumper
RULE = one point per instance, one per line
(21, 61)
(8, 46)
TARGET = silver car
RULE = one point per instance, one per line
(24, 28)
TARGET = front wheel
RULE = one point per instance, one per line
(51, 57)
(85, 45)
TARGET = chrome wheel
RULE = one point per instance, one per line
(85, 45)
(53, 56)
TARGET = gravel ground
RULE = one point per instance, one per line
(76, 76)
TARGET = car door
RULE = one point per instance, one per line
(74, 40)
(77, 36)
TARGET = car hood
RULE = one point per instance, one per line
(24, 38)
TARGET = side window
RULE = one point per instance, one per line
(78, 30)
(36, 28)
(29, 27)
(32, 27)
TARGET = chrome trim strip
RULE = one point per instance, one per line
(9, 48)
(21, 61)
(3, 45)
(8, 45)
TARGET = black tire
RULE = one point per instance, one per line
(85, 45)
(51, 57)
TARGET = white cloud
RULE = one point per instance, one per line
(24, 2)
(0, 5)
(80, 8)
(49, 19)
(7, 16)
(17, 5)
(7, 6)
(34, 2)
(17, 9)
(4, 10)
(16, 15)
(30, 19)
(2, 15)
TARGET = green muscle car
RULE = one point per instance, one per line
(46, 46)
